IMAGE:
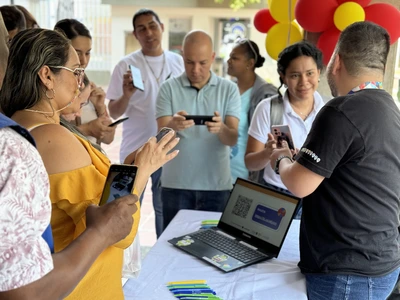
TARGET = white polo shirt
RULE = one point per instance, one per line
(260, 126)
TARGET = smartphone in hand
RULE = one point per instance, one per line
(200, 119)
(163, 131)
(137, 78)
(120, 182)
(115, 123)
(282, 133)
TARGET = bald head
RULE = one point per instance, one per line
(198, 56)
(3, 49)
(197, 38)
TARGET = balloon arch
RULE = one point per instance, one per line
(285, 21)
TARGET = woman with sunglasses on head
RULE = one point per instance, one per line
(244, 58)
(94, 119)
(42, 81)
(299, 69)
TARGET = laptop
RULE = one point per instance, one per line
(252, 228)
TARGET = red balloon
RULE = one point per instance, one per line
(387, 16)
(315, 15)
(263, 20)
(327, 43)
(363, 3)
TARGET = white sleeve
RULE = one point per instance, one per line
(260, 122)
(114, 90)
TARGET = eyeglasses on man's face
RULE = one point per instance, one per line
(78, 72)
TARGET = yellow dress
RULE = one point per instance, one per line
(71, 193)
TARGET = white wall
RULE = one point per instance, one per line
(202, 18)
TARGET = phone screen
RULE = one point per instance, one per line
(120, 182)
(137, 78)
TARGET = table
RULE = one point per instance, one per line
(278, 278)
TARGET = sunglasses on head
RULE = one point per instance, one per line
(242, 41)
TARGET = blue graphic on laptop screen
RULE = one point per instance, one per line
(242, 206)
(268, 217)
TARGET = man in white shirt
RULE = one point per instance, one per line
(156, 65)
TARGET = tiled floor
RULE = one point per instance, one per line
(147, 231)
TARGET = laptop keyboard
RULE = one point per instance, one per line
(228, 246)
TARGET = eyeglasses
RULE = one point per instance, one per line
(78, 72)
(241, 41)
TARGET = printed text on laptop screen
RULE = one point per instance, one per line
(259, 212)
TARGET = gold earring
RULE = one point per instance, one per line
(47, 96)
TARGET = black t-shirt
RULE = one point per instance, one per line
(350, 223)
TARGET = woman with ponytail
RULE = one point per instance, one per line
(243, 60)
(299, 69)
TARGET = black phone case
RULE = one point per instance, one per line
(118, 122)
(119, 185)
(199, 119)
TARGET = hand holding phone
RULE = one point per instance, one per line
(137, 80)
(282, 133)
(120, 182)
(115, 123)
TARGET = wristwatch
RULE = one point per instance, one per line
(278, 160)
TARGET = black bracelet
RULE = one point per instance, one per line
(278, 160)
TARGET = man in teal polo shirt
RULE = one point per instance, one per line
(199, 177)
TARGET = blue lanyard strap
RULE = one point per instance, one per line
(368, 85)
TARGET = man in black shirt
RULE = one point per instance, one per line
(348, 172)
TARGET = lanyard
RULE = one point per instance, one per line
(368, 85)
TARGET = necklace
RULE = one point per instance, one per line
(43, 113)
(151, 69)
(305, 115)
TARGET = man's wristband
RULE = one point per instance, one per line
(278, 160)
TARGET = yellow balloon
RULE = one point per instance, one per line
(277, 38)
(283, 10)
(347, 14)
(269, 3)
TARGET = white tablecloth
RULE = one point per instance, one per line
(275, 279)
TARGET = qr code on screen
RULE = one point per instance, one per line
(242, 206)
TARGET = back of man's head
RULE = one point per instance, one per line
(144, 12)
(363, 46)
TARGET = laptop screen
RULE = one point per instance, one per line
(258, 211)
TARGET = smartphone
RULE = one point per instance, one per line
(282, 132)
(137, 78)
(163, 131)
(120, 182)
(118, 121)
(199, 120)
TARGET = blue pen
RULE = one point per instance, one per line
(193, 291)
